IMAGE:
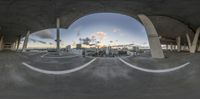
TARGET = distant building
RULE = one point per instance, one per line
(135, 48)
(78, 46)
(68, 48)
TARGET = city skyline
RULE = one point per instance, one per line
(103, 27)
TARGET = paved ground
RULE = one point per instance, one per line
(105, 78)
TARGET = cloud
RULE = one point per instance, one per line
(86, 40)
(100, 35)
(77, 30)
(116, 30)
(42, 42)
(44, 34)
(50, 43)
(33, 40)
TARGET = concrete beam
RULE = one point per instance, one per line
(154, 41)
(178, 41)
(25, 42)
(193, 45)
(58, 35)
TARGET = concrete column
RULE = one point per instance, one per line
(178, 41)
(167, 47)
(198, 49)
(174, 47)
(1, 42)
(154, 41)
(184, 47)
(188, 40)
(171, 47)
(25, 42)
(14, 46)
(18, 42)
(58, 35)
(193, 45)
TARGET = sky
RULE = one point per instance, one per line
(106, 28)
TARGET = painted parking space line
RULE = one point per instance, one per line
(63, 56)
(44, 55)
(58, 72)
(152, 70)
(35, 53)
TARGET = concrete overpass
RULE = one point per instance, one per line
(44, 75)
(174, 21)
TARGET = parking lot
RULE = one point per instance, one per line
(102, 77)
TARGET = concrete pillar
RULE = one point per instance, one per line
(198, 49)
(18, 42)
(178, 41)
(25, 42)
(1, 42)
(154, 41)
(184, 47)
(188, 40)
(13, 47)
(171, 47)
(58, 35)
(167, 47)
(174, 47)
(193, 45)
(107, 51)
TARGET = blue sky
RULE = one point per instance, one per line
(104, 27)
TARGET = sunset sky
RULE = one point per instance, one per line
(104, 27)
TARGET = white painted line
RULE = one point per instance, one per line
(35, 53)
(44, 55)
(154, 71)
(64, 56)
(58, 72)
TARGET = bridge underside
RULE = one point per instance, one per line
(171, 18)
(46, 75)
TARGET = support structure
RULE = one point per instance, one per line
(154, 41)
(25, 42)
(188, 40)
(198, 48)
(178, 41)
(13, 47)
(193, 45)
(18, 42)
(58, 35)
(167, 47)
(1, 42)
(171, 47)
(185, 47)
(174, 47)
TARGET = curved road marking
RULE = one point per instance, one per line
(59, 57)
(65, 56)
(58, 72)
(33, 53)
(154, 71)
(44, 55)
